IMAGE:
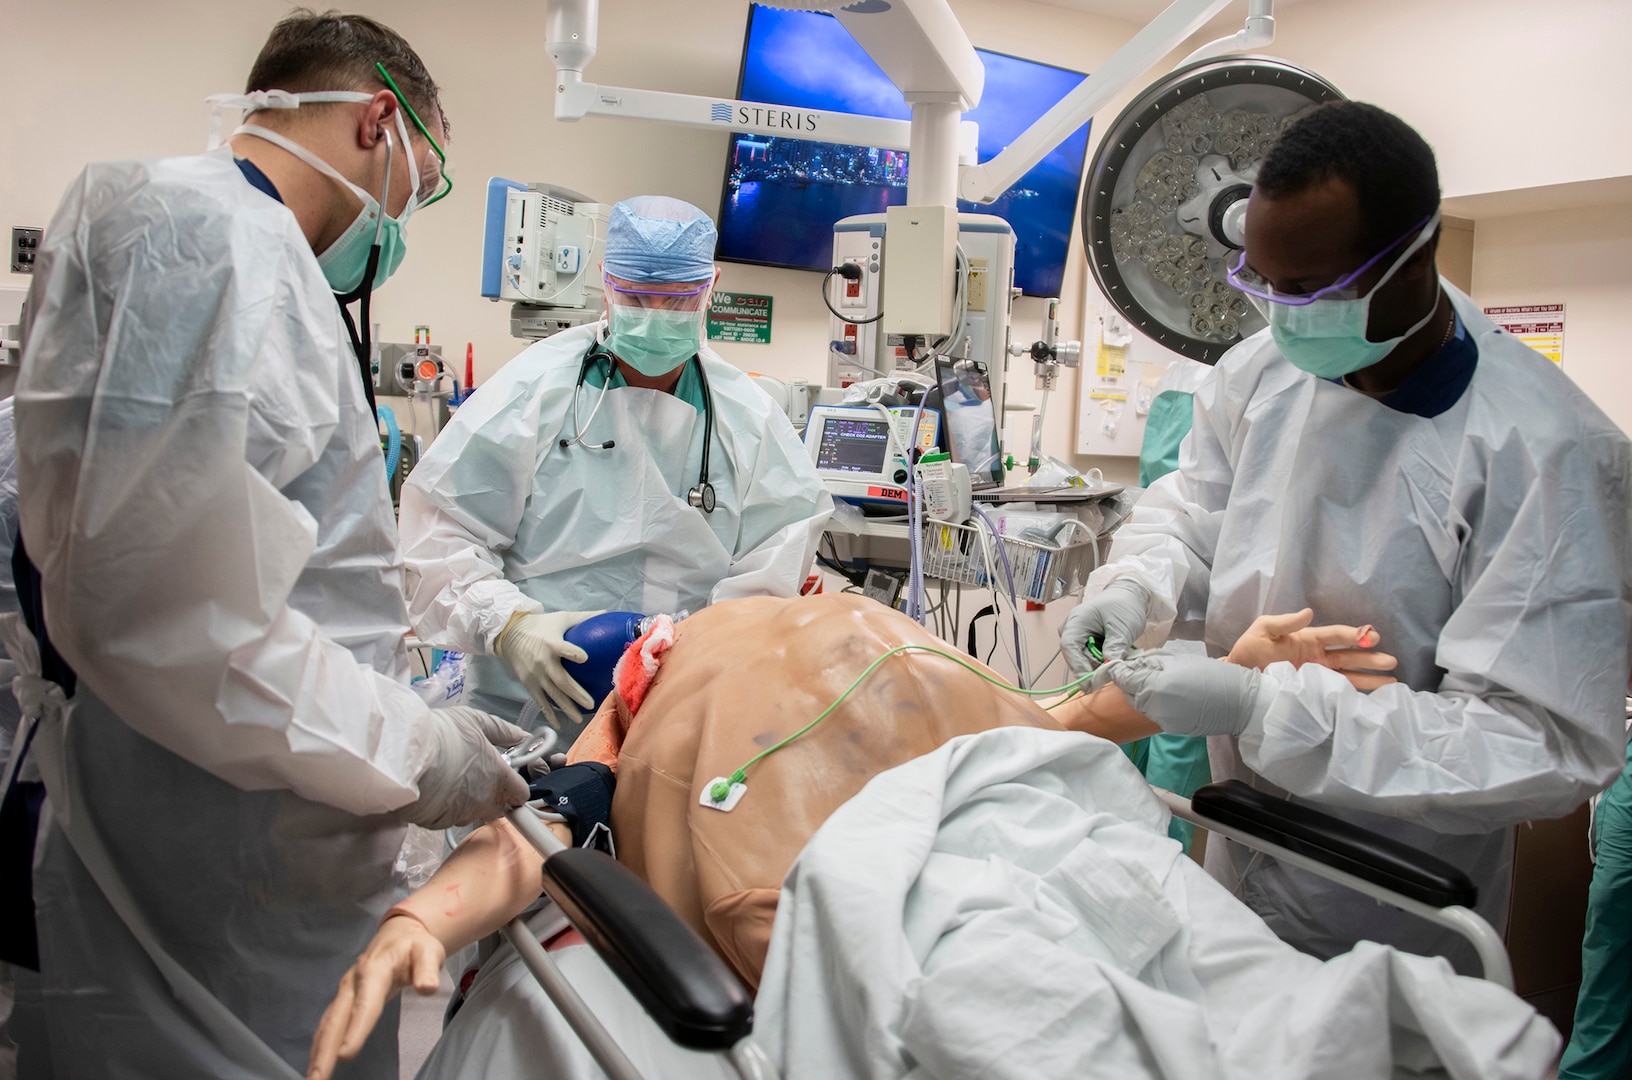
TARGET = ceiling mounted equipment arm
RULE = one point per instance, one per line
(924, 51)
(1258, 32)
(571, 42)
(985, 183)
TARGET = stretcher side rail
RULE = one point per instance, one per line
(684, 986)
(1380, 867)
(671, 971)
(1381, 860)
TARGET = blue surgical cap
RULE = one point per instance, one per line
(653, 239)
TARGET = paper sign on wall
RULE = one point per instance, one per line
(1108, 388)
(1112, 358)
(1540, 326)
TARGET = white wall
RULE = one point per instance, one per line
(1513, 96)
(1582, 257)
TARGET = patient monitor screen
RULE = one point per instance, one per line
(853, 446)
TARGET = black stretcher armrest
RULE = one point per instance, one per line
(1378, 859)
(686, 988)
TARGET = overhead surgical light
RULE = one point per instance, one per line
(1164, 210)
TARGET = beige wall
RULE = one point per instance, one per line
(1510, 93)
(1513, 96)
(1582, 257)
(133, 84)
(1455, 256)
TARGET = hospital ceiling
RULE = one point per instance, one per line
(1140, 11)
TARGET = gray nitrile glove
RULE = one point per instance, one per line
(1189, 695)
(1117, 616)
(467, 779)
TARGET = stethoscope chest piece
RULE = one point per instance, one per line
(702, 497)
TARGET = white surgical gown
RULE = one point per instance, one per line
(8, 588)
(498, 518)
(203, 492)
(1491, 547)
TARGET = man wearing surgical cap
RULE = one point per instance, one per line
(622, 466)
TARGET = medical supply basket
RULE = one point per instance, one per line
(1041, 572)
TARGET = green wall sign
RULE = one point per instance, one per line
(740, 317)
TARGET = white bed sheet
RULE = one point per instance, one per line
(1010, 906)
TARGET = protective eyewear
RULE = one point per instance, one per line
(436, 178)
(687, 291)
(1256, 286)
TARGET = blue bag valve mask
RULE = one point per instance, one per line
(604, 638)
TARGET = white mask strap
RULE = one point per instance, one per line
(326, 169)
(278, 139)
(256, 100)
(1416, 245)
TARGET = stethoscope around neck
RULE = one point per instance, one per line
(701, 496)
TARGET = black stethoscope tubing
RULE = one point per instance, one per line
(702, 496)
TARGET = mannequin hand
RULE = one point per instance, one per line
(1188, 695)
(534, 646)
(1105, 712)
(403, 953)
(1344, 649)
(1116, 616)
(467, 778)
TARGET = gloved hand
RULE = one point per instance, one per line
(1117, 617)
(1186, 694)
(467, 779)
(534, 646)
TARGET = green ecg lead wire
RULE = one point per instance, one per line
(722, 788)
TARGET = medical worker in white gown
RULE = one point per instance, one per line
(202, 490)
(621, 466)
(1383, 454)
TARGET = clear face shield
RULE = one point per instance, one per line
(655, 327)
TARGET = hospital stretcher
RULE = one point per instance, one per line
(698, 1002)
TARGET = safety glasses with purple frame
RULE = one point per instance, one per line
(1256, 286)
(686, 291)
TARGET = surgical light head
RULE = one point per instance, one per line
(1164, 212)
(653, 239)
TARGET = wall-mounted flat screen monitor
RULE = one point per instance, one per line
(783, 195)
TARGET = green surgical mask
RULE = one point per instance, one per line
(1327, 337)
(344, 261)
(653, 341)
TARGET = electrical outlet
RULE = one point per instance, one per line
(25, 244)
(854, 293)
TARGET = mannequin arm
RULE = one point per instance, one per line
(486, 882)
(1270, 639)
